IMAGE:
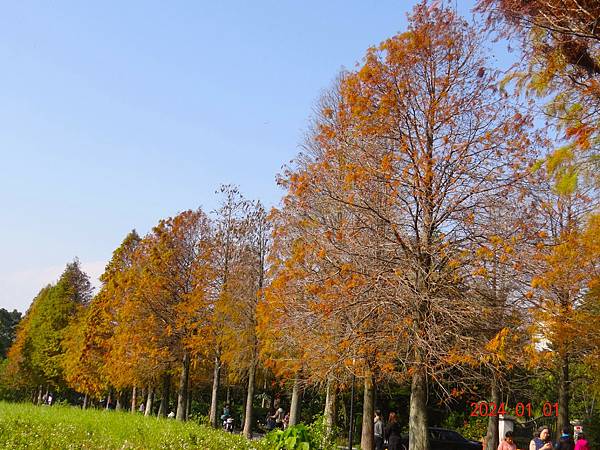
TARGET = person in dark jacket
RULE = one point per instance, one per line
(541, 440)
(378, 430)
(566, 441)
(392, 433)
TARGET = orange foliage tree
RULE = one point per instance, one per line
(417, 144)
(564, 268)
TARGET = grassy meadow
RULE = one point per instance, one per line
(26, 426)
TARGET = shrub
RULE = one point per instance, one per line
(297, 437)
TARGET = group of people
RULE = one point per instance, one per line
(542, 441)
(390, 432)
(48, 399)
(275, 419)
(280, 419)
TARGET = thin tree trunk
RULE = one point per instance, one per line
(295, 404)
(119, 406)
(182, 394)
(330, 407)
(40, 395)
(367, 439)
(417, 422)
(215, 392)
(272, 402)
(188, 411)
(492, 438)
(164, 401)
(248, 417)
(85, 401)
(108, 398)
(563, 396)
(264, 397)
(149, 401)
(134, 399)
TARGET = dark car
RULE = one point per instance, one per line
(442, 439)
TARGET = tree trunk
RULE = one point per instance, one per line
(182, 394)
(109, 398)
(249, 401)
(40, 395)
(417, 422)
(264, 397)
(134, 399)
(215, 392)
(85, 401)
(491, 438)
(119, 406)
(188, 411)
(149, 401)
(330, 410)
(367, 439)
(563, 396)
(295, 404)
(164, 401)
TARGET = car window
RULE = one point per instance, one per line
(434, 435)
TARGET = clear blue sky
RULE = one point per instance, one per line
(116, 114)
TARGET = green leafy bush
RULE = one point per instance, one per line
(318, 430)
(473, 428)
(297, 437)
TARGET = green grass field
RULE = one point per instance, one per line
(25, 426)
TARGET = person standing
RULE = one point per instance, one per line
(507, 443)
(582, 443)
(378, 429)
(392, 432)
(566, 441)
(278, 416)
(541, 440)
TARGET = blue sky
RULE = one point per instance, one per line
(116, 114)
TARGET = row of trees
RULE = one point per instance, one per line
(419, 243)
(184, 294)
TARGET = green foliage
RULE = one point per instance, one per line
(37, 357)
(591, 427)
(53, 314)
(302, 437)
(473, 428)
(319, 432)
(8, 329)
(7, 392)
(298, 437)
(32, 427)
(567, 182)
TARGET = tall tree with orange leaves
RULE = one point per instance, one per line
(563, 269)
(229, 223)
(420, 142)
(173, 290)
(245, 283)
(86, 346)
